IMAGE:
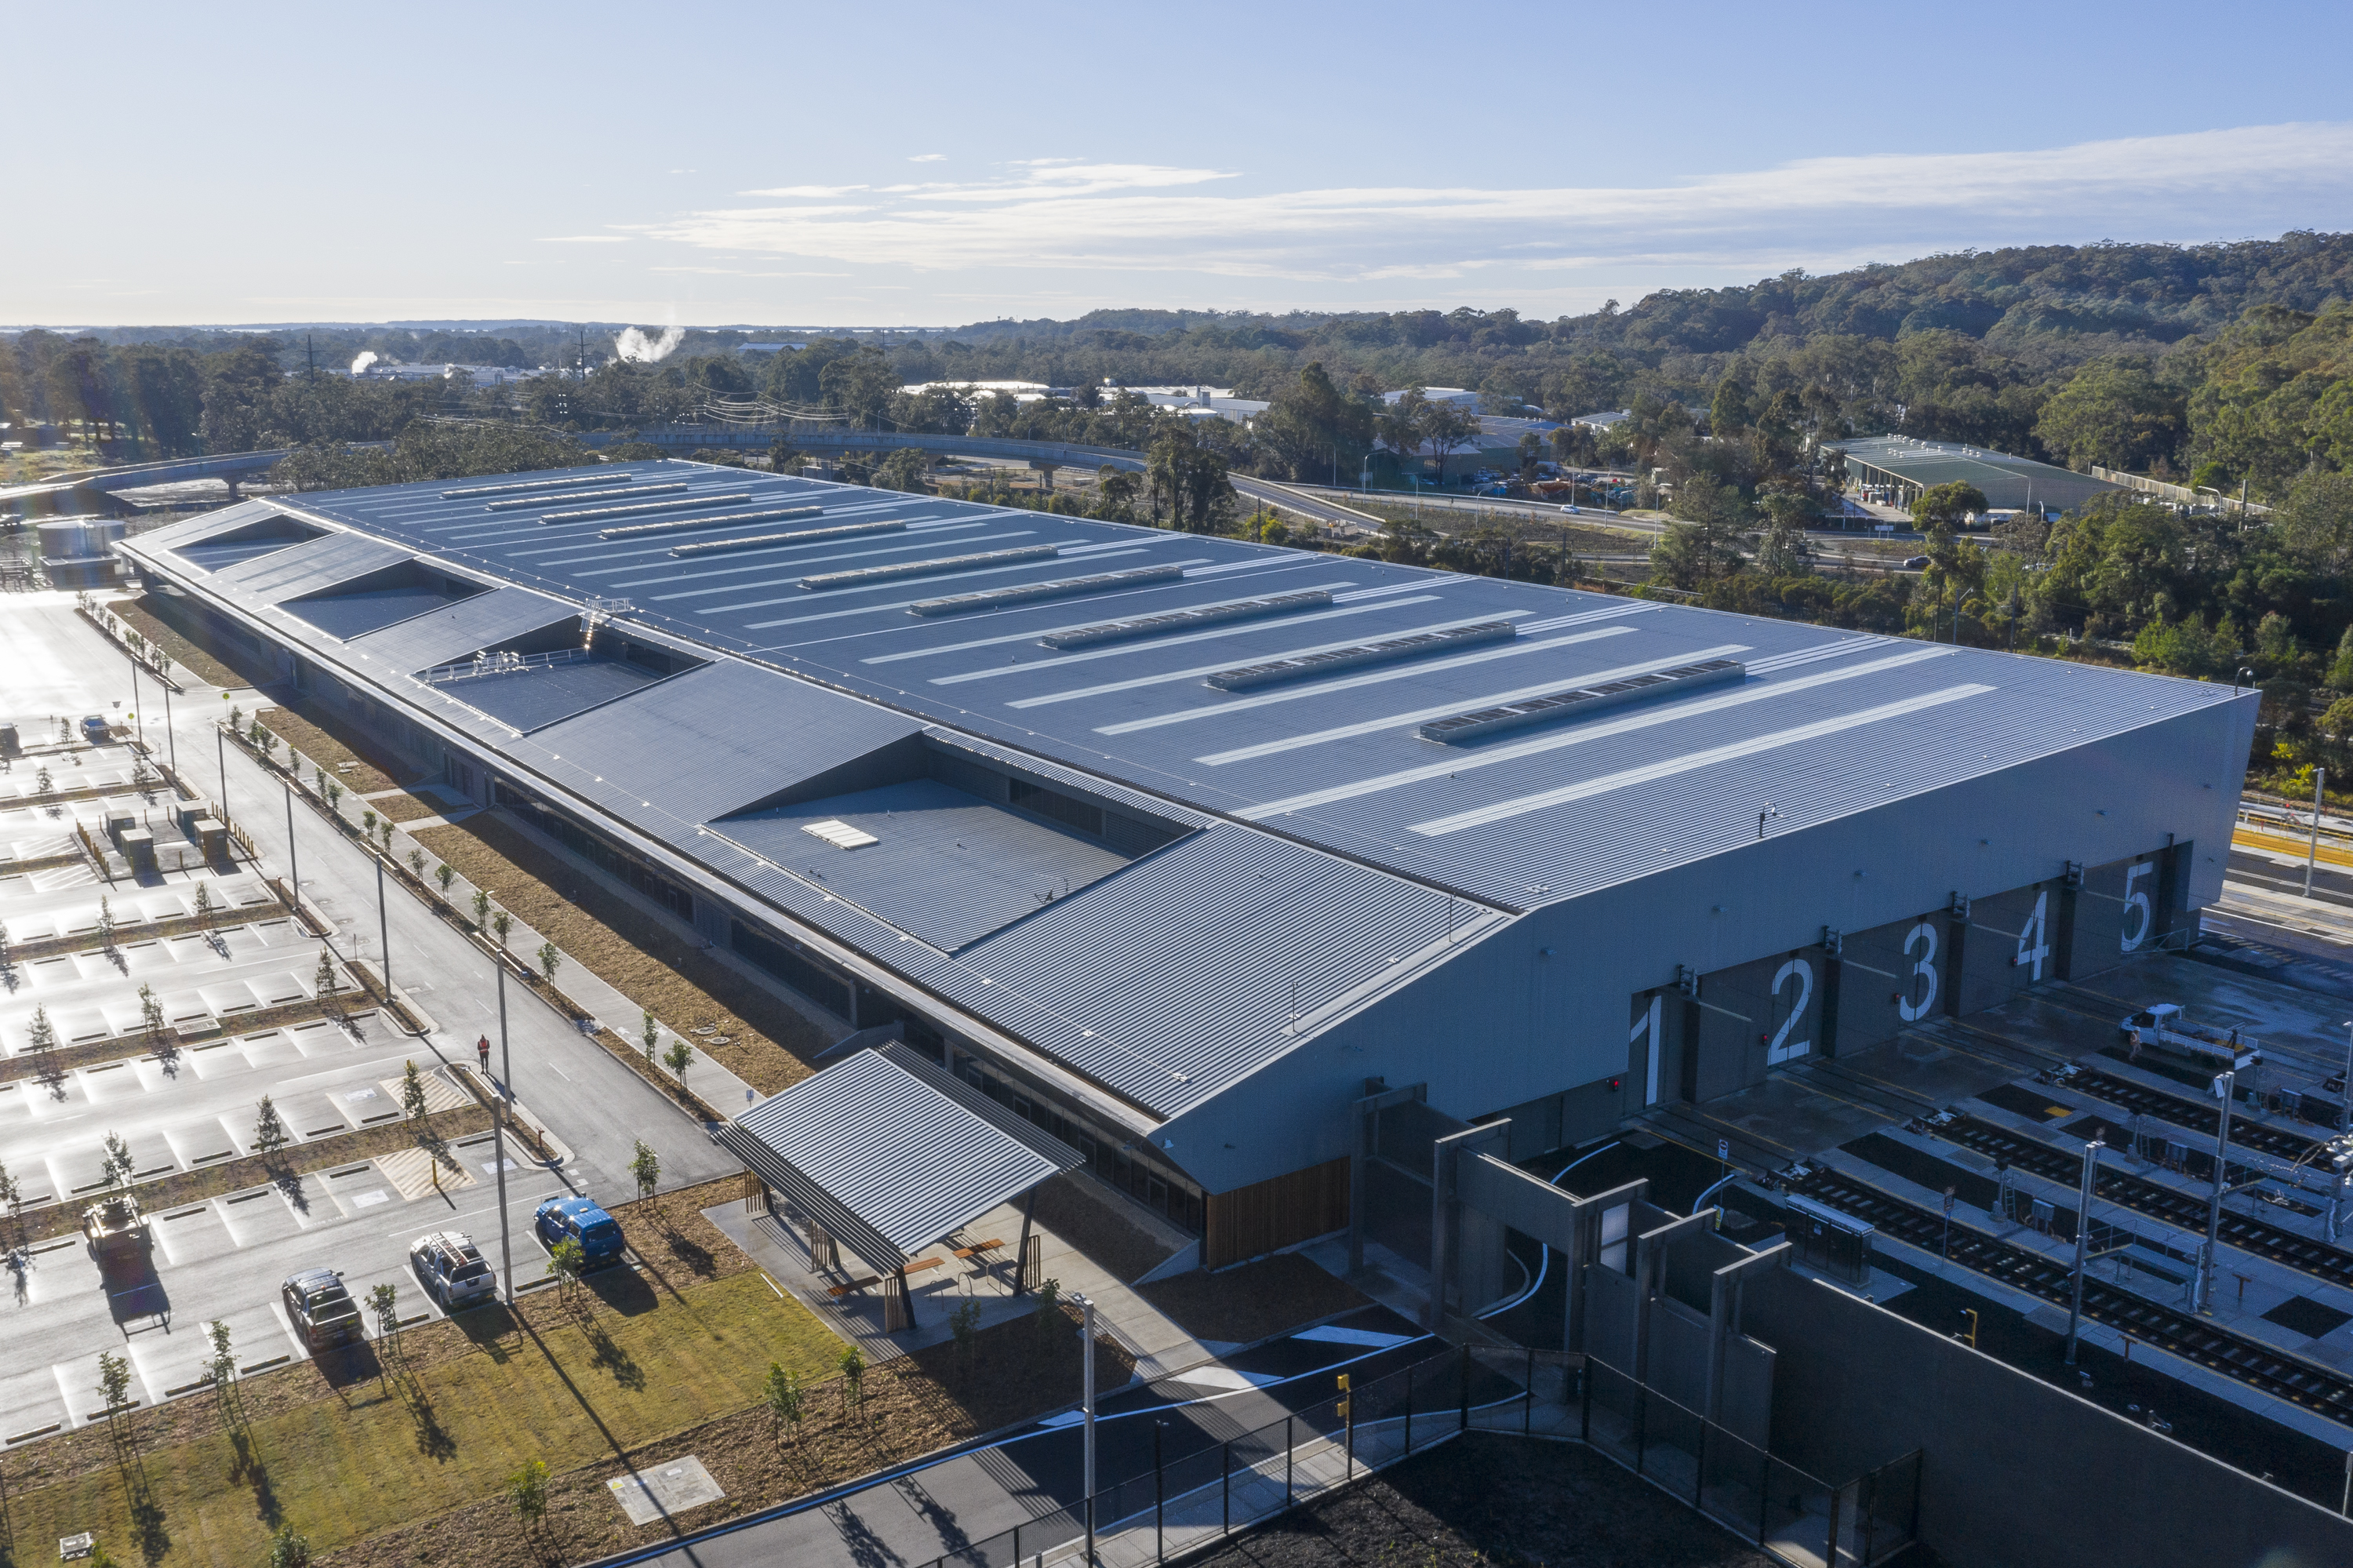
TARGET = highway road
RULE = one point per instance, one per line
(224, 1259)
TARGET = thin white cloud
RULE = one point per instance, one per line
(1074, 215)
(794, 191)
(929, 158)
(584, 240)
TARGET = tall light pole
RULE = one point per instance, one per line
(294, 854)
(499, 1138)
(1087, 1404)
(2224, 1084)
(220, 750)
(2311, 853)
(383, 933)
(170, 739)
(2082, 1238)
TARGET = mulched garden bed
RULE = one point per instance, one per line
(329, 743)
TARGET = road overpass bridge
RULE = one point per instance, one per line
(97, 489)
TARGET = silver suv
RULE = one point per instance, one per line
(452, 1269)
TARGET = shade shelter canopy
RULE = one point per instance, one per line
(890, 1154)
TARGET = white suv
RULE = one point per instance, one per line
(452, 1269)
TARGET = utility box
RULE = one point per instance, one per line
(138, 846)
(8, 744)
(1834, 1244)
(186, 814)
(212, 837)
(119, 820)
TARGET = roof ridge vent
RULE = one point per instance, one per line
(1456, 728)
(1389, 651)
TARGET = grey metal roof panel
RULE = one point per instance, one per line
(709, 742)
(1231, 942)
(946, 1164)
(204, 526)
(538, 696)
(464, 628)
(948, 867)
(312, 564)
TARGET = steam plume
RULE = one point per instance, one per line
(639, 349)
(366, 358)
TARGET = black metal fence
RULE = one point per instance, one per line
(1201, 1488)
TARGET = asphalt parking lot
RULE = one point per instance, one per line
(242, 995)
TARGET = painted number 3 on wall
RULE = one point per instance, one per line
(1913, 1011)
(1783, 1048)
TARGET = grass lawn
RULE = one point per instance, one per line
(770, 1045)
(377, 1454)
(403, 808)
(208, 659)
(384, 1465)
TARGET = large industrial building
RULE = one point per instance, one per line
(1182, 847)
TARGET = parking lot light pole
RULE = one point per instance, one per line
(171, 740)
(293, 855)
(220, 751)
(2311, 853)
(383, 933)
(499, 1141)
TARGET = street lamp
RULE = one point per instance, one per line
(1767, 811)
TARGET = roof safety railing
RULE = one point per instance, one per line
(503, 664)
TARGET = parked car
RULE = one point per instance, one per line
(116, 1230)
(321, 1310)
(579, 1220)
(96, 730)
(1915, 563)
(452, 1269)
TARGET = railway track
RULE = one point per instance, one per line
(2184, 1112)
(2183, 1210)
(2323, 1390)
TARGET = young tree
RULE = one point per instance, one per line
(367, 824)
(118, 1162)
(416, 861)
(645, 1166)
(324, 979)
(12, 1197)
(106, 923)
(236, 719)
(335, 794)
(42, 1035)
(676, 1058)
(651, 1035)
(43, 784)
(412, 1093)
(785, 1400)
(550, 960)
(384, 1305)
(853, 1380)
(567, 1263)
(482, 905)
(501, 922)
(221, 1365)
(150, 1016)
(527, 1490)
(318, 776)
(289, 1549)
(444, 873)
(1050, 1320)
(204, 906)
(269, 1134)
(113, 1384)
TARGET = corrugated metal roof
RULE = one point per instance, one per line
(312, 564)
(1247, 937)
(465, 628)
(890, 1154)
(712, 741)
(2008, 482)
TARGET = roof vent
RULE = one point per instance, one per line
(1457, 728)
(840, 834)
(1187, 620)
(772, 514)
(1061, 588)
(524, 502)
(641, 508)
(473, 490)
(930, 568)
(1392, 651)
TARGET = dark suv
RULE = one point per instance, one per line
(321, 1310)
(580, 1220)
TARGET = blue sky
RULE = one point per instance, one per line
(932, 164)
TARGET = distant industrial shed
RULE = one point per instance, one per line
(1181, 846)
(2010, 483)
